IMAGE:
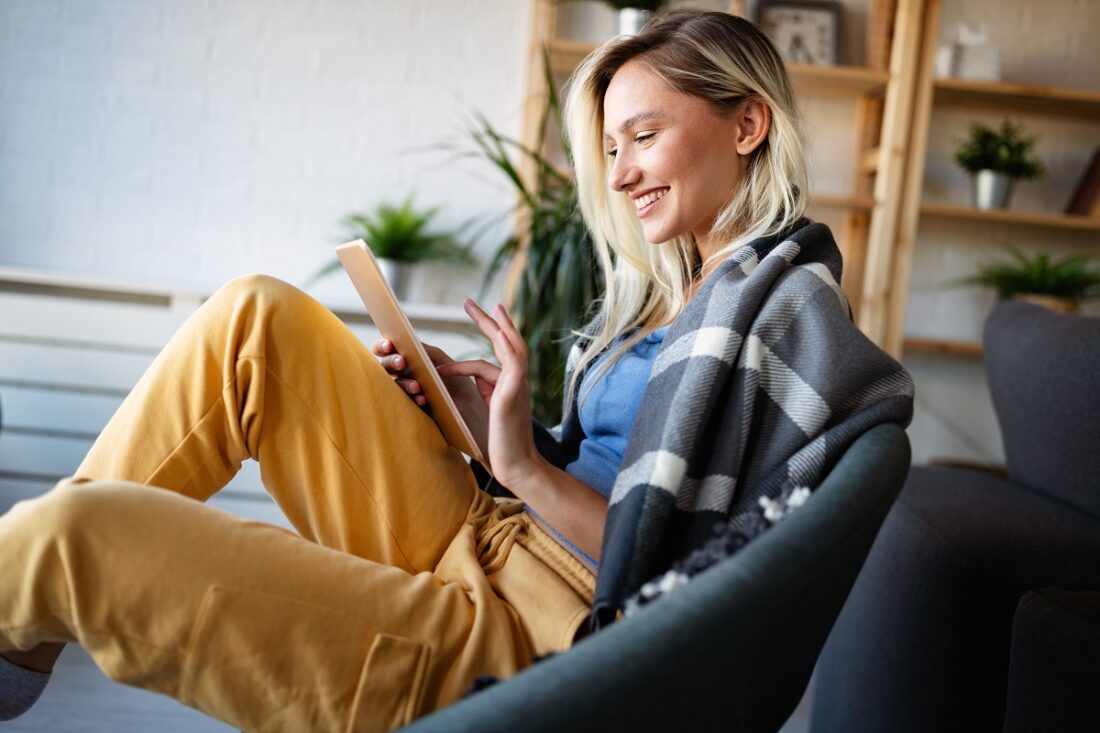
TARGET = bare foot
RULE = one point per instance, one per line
(39, 659)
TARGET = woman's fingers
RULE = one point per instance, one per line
(500, 330)
(510, 330)
(478, 368)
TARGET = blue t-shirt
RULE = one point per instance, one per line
(607, 411)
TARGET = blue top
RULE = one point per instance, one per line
(607, 412)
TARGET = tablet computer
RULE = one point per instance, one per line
(393, 324)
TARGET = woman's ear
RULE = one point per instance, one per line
(753, 122)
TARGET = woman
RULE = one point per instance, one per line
(687, 152)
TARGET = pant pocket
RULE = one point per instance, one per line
(264, 662)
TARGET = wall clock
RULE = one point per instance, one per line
(804, 31)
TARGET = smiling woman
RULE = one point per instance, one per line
(698, 112)
(720, 381)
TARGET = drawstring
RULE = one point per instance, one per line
(494, 546)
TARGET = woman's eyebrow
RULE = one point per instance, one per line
(630, 122)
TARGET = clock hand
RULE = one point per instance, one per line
(798, 48)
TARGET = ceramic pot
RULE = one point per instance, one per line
(632, 20)
(992, 189)
(1065, 306)
(398, 274)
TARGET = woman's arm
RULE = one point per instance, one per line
(573, 507)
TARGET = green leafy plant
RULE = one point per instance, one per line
(1005, 151)
(401, 233)
(1068, 278)
(557, 276)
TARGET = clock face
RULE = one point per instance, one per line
(802, 35)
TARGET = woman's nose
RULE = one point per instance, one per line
(623, 173)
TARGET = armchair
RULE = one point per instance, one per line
(731, 651)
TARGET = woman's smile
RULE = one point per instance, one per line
(645, 203)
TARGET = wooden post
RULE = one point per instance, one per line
(894, 146)
(910, 203)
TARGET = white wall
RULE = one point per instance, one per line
(187, 141)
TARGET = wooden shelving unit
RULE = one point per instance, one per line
(931, 93)
(881, 92)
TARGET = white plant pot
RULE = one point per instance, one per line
(398, 274)
(632, 20)
(992, 189)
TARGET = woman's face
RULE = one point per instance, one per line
(671, 153)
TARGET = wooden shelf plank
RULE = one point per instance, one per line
(861, 203)
(566, 55)
(943, 346)
(1055, 101)
(1033, 218)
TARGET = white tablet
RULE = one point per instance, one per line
(393, 324)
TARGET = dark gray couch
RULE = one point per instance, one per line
(974, 575)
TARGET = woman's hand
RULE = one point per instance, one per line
(505, 393)
(467, 397)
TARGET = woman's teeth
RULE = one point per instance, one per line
(649, 198)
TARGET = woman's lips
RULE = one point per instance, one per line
(645, 210)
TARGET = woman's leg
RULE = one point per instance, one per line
(262, 370)
(246, 621)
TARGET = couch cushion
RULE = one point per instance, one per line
(1043, 375)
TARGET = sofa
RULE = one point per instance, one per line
(978, 606)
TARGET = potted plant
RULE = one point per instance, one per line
(995, 160)
(1057, 285)
(399, 238)
(634, 14)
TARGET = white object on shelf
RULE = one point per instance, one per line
(967, 54)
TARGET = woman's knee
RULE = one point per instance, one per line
(257, 287)
(78, 504)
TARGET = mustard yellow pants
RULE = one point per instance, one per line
(405, 584)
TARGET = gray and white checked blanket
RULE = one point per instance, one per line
(759, 387)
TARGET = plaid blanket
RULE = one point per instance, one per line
(759, 387)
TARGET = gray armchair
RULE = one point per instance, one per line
(977, 608)
(731, 651)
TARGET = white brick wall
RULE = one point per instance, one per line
(186, 141)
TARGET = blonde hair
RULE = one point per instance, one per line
(727, 61)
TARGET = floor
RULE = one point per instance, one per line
(81, 698)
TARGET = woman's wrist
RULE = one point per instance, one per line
(527, 478)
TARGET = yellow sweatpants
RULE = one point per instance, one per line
(405, 584)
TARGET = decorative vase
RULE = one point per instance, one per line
(398, 274)
(1065, 306)
(992, 189)
(632, 20)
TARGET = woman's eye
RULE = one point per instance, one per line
(611, 153)
(646, 137)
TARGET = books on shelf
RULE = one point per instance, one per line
(1085, 200)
